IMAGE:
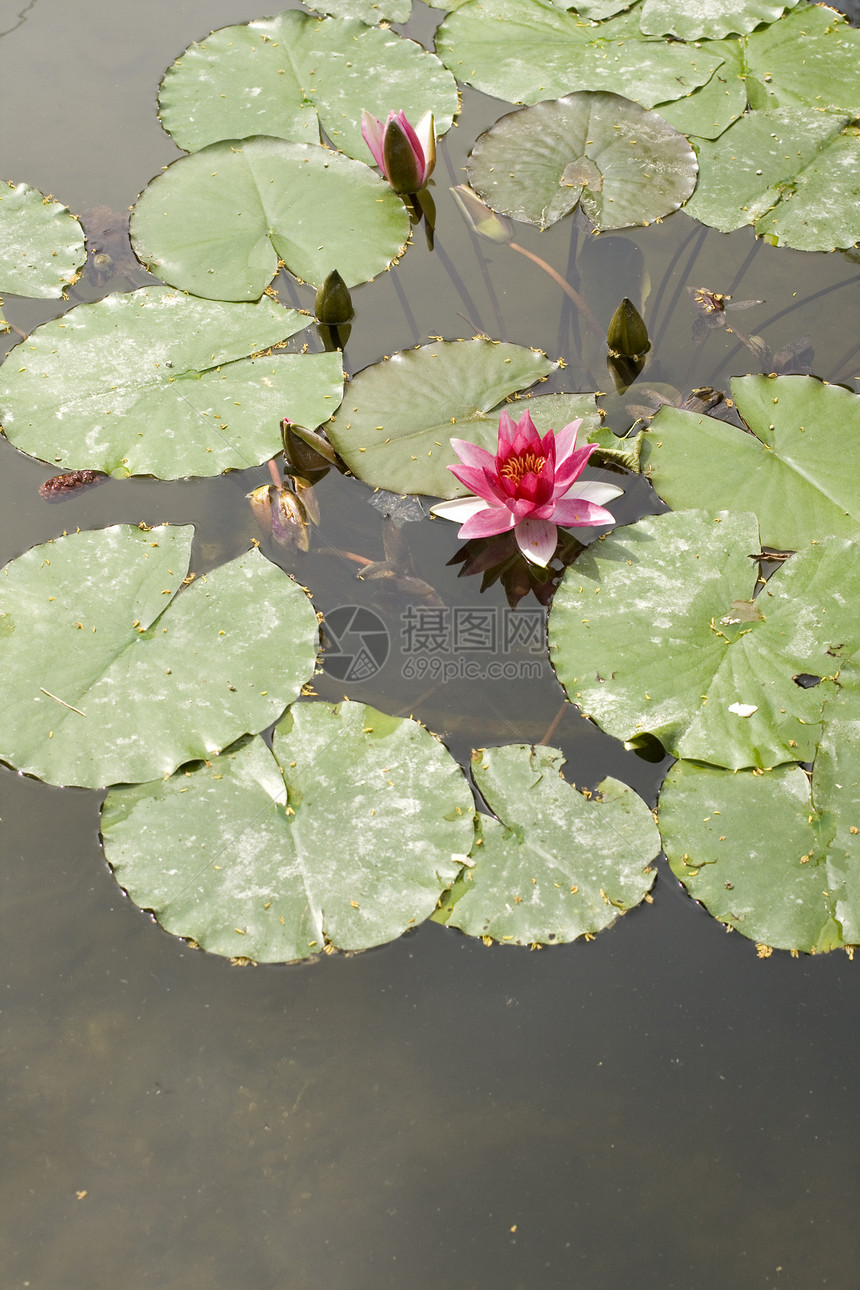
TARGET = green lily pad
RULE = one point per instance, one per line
(109, 676)
(622, 163)
(768, 854)
(712, 19)
(219, 223)
(345, 837)
(791, 173)
(396, 423)
(524, 51)
(556, 863)
(807, 59)
(798, 471)
(289, 75)
(595, 10)
(368, 11)
(41, 243)
(700, 664)
(710, 110)
(155, 382)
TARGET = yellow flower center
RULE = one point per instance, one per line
(527, 464)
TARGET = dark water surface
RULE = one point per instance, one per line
(656, 1109)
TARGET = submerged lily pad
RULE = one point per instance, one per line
(220, 222)
(799, 470)
(109, 676)
(701, 665)
(622, 163)
(708, 18)
(287, 76)
(156, 382)
(345, 835)
(524, 51)
(769, 854)
(396, 423)
(556, 863)
(41, 243)
(791, 173)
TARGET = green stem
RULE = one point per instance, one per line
(565, 286)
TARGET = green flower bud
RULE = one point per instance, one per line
(628, 336)
(480, 218)
(333, 304)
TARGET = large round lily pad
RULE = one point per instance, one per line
(41, 243)
(798, 471)
(555, 863)
(345, 837)
(807, 59)
(792, 173)
(369, 11)
(220, 222)
(708, 18)
(287, 76)
(156, 382)
(523, 51)
(770, 854)
(699, 663)
(110, 676)
(622, 163)
(399, 417)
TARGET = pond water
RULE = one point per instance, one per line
(656, 1108)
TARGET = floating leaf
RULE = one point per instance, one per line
(623, 164)
(792, 173)
(595, 10)
(345, 837)
(107, 678)
(708, 18)
(711, 109)
(694, 643)
(799, 470)
(524, 51)
(41, 243)
(395, 427)
(156, 382)
(369, 11)
(556, 863)
(288, 75)
(765, 853)
(217, 223)
(808, 59)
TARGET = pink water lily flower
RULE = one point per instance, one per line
(405, 154)
(530, 486)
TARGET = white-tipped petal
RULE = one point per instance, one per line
(592, 490)
(537, 539)
(426, 132)
(460, 509)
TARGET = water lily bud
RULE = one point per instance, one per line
(480, 218)
(261, 505)
(401, 166)
(628, 335)
(406, 155)
(333, 304)
(290, 521)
